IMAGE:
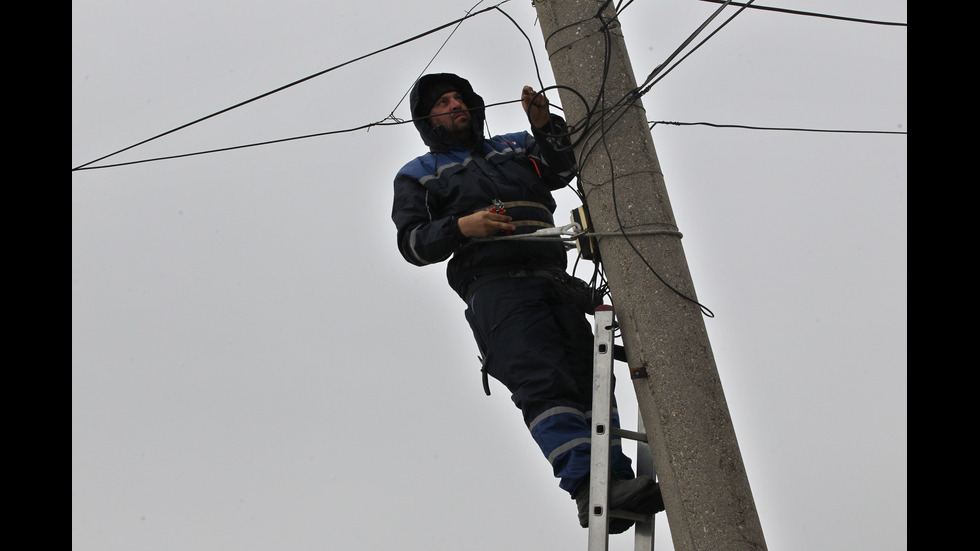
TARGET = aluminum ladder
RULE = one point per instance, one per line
(602, 434)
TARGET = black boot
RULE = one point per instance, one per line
(639, 495)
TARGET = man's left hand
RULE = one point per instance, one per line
(537, 111)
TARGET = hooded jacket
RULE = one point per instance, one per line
(451, 181)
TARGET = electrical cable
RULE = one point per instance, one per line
(294, 83)
(814, 14)
(606, 116)
(427, 65)
(650, 81)
(585, 123)
(383, 122)
(387, 121)
(779, 128)
(687, 41)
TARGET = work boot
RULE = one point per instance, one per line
(639, 495)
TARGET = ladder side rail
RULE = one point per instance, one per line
(643, 531)
(601, 433)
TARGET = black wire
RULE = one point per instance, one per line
(530, 45)
(388, 121)
(384, 122)
(779, 128)
(687, 41)
(652, 81)
(243, 146)
(294, 83)
(427, 65)
(814, 14)
(607, 117)
(586, 123)
(622, 6)
(391, 116)
(632, 96)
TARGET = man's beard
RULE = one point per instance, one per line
(463, 133)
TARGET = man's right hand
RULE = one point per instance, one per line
(484, 224)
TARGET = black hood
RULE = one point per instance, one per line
(437, 138)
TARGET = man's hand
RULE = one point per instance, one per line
(538, 111)
(484, 224)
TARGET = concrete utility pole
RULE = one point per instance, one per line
(706, 491)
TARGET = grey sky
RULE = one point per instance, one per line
(255, 367)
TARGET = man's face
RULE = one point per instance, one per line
(450, 113)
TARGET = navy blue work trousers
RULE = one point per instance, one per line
(540, 346)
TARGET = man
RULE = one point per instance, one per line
(533, 337)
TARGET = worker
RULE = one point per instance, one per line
(451, 203)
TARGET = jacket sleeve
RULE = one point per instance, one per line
(551, 150)
(425, 235)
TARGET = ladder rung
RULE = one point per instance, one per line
(631, 434)
(619, 513)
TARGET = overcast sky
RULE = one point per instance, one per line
(255, 367)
